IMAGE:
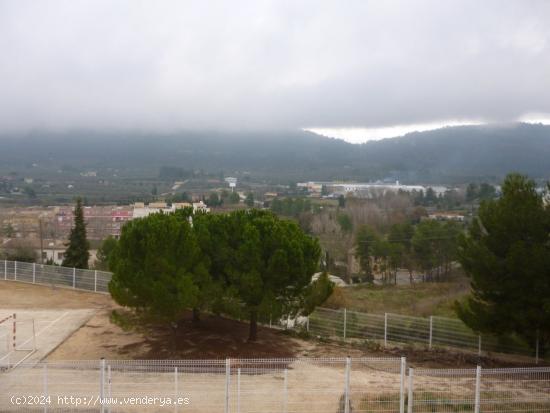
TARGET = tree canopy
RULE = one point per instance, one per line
(250, 260)
(272, 262)
(249, 200)
(365, 241)
(77, 253)
(158, 267)
(507, 256)
(434, 244)
(104, 253)
(429, 246)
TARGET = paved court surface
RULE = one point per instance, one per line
(51, 328)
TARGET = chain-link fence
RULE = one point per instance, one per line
(430, 331)
(344, 385)
(89, 280)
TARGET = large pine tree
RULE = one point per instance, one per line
(77, 252)
(507, 256)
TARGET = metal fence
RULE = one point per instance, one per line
(344, 385)
(431, 331)
(89, 280)
(478, 390)
(232, 385)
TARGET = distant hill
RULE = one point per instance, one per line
(459, 153)
(454, 154)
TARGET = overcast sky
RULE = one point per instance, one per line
(330, 65)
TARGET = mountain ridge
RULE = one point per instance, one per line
(447, 155)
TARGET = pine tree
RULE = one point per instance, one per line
(249, 201)
(365, 242)
(77, 252)
(507, 257)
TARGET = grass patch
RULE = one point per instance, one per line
(422, 299)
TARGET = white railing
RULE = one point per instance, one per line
(89, 280)
(430, 331)
(317, 385)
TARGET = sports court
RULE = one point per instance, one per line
(30, 335)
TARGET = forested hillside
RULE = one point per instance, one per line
(457, 154)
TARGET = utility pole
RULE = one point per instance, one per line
(41, 241)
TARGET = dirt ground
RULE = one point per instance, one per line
(29, 296)
(214, 338)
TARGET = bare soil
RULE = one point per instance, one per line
(30, 296)
(214, 337)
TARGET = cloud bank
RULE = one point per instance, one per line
(167, 65)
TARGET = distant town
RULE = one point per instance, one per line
(45, 229)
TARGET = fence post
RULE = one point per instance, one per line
(239, 390)
(431, 331)
(345, 321)
(402, 385)
(102, 384)
(109, 388)
(5, 269)
(74, 277)
(410, 398)
(479, 345)
(227, 378)
(15, 272)
(45, 384)
(537, 349)
(347, 385)
(307, 324)
(478, 385)
(285, 391)
(33, 273)
(176, 389)
(95, 281)
(385, 329)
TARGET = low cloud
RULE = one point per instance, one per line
(270, 64)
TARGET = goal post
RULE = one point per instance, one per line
(17, 339)
(24, 338)
(8, 328)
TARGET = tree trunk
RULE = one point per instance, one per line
(253, 332)
(196, 315)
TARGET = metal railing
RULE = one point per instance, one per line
(88, 280)
(319, 385)
(430, 331)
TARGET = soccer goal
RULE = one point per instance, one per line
(17, 340)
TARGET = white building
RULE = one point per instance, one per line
(231, 181)
(361, 187)
(141, 210)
